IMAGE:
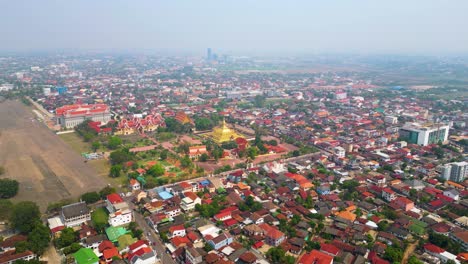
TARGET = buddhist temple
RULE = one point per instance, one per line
(183, 118)
(224, 133)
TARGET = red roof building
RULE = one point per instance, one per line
(316, 257)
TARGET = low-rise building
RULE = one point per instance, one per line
(75, 214)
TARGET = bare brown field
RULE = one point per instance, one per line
(47, 169)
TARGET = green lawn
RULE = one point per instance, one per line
(76, 142)
(99, 216)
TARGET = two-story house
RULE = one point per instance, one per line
(119, 211)
(178, 230)
(220, 241)
(75, 214)
(388, 194)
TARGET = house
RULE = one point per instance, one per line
(9, 243)
(460, 237)
(93, 242)
(220, 241)
(329, 249)
(223, 216)
(440, 253)
(388, 194)
(178, 230)
(134, 185)
(142, 256)
(140, 253)
(273, 236)
(75, 214)
(85, 256)
(315, 257)
(197, 151)
(452, 193)
(10, 257)
(194, 255)
(110, 254)
(189, 201)
(403, 203)
(257, 218)
(173, 211)
(119, 211)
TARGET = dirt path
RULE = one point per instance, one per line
(47, 168)
(409, 250)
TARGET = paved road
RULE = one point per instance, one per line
(152, 237)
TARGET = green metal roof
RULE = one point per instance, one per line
(85, 256)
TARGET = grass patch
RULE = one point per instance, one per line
(99, 216)
(75, 142)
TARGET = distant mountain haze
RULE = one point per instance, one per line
(241, 26)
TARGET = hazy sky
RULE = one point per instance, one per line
(282, 26)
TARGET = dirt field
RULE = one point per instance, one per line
(47, 168)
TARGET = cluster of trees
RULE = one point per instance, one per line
(136, 232)
(209, 210)
(92, 197)
(203, 123)
(67, 241)
(349, 190)
(277, 255)
(175, 126)
(445, 242)
(250, 205)
(86, 132)
(156, 170)
(393, 253)
(25, 217)
(8, 188)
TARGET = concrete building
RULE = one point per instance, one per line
(69, 116)
(424, 134)
(119, 211)
(455, 171)
(391, 120)
(340, 152)
(75, 214)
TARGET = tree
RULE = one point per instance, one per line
(120, 156)
(414, 260)
(156, 170)
(203, 157)
(382, 225)
(6, 206)
(393, 254)
(259, 101)
(39, 239)
(8, 188)
(99, 218)
(67, 237)
(21, 246)
(2, 170)
(90, 197)
(278, 255)
(95, 145)
(164, 154)
(203, 123)
(114, 142)
(252, 152)
(115, 171)
(106, 191)
(185, 162)
(25, 216)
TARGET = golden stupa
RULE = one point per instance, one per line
(223, 133)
